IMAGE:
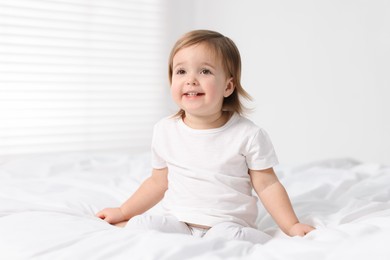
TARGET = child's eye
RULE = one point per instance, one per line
(180, 71)
(205, 71)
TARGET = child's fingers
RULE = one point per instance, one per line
(101, 215)
(308, 229)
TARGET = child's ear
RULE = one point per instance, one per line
(229, 87)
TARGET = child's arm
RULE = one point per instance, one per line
(275, 199)
(150, 192)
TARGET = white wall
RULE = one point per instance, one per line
(318, 70)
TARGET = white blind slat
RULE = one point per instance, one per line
(80, 75)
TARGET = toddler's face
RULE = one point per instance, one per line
(199, 83)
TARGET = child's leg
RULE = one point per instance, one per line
(235, 231)
(166, 224)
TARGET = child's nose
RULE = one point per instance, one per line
(191, 81)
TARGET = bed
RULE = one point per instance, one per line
(48, 202)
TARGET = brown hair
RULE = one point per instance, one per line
(225, 49)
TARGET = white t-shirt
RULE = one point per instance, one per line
(208, 180)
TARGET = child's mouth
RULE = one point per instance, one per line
(193, 94)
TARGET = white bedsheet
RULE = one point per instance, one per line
(47, 207)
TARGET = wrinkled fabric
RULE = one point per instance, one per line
(48, 203)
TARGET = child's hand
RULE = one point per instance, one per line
(300, 229)
(111, 215)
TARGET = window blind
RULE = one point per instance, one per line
(80, 75)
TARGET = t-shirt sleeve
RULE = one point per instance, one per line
(157, 161)
(261, 153)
